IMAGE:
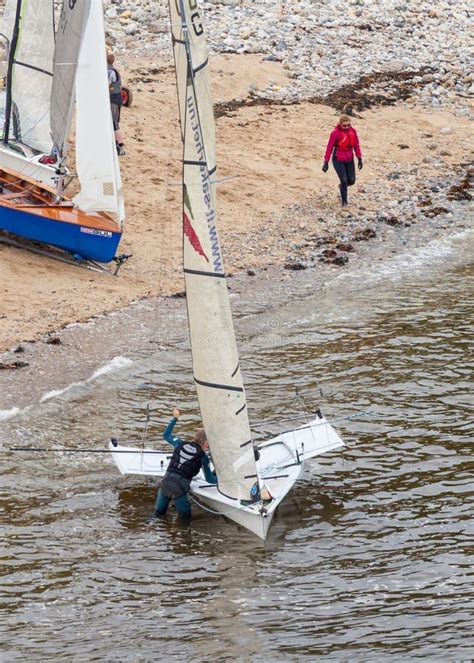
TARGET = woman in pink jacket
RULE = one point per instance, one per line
(342, 144)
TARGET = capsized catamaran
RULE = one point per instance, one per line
(252, 479)
(49, 70)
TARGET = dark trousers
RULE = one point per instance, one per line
(182, 504)
(347, 175)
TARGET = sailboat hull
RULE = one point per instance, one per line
(29, 211)
(280, 465)
(255, 520)
(85, 236)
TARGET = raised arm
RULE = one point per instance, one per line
(168, 432)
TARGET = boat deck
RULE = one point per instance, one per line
(22, 194)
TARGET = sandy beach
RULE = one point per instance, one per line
(269, 158)
(360, 316)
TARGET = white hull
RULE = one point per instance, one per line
(27, 165)
(279, 466)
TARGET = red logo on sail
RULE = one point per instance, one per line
(193, 238)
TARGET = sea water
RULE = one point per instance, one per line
(368, 557)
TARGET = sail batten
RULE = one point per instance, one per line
(201, 273)
(219, 385)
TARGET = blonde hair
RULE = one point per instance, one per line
(110, 58)
(344, 118)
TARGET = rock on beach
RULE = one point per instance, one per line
(323, 46)
(281, 72)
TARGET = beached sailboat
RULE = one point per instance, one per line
(48, 71)
(252, 479)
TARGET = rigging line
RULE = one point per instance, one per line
(310, 428)
(145, 429)
(322, 423)
(23, 191)
(84, 451)
(166, 238)
(211, 181)
(217, 513)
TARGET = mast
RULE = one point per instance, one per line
(217, 376)
(11, 59)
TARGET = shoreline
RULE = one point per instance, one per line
(275, 206)
(82, 351)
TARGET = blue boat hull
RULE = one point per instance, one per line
(80, 240)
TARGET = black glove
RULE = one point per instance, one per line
(325, 167)
(360, 165)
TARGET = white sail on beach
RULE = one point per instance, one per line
(69, 35)
(52, 70)
(96, 156)
(216, 368)
(32, 71)
(8, 19)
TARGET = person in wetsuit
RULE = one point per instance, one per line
(342, 144)
(115, 92)
(187, 460)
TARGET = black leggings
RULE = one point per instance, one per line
(347, 175)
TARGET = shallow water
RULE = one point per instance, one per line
(369, 557)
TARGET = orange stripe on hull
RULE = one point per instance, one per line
(30, 211)
(99, 220)
(24, 195)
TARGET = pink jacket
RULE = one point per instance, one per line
(346, 142)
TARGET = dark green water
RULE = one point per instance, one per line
(370, 557)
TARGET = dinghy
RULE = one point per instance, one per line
(252, 478)
(48, 70)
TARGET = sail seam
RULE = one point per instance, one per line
(199, 273)
(214, 385)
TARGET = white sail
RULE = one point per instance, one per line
(30, 77)
(6, 31)
(68, 42)
(8, 19)
(215, 358)
(96, 156)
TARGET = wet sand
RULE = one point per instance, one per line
(275, 200)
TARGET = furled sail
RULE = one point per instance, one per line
(30, 70)
(215, 358)
(96, 155)
(69, 35)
